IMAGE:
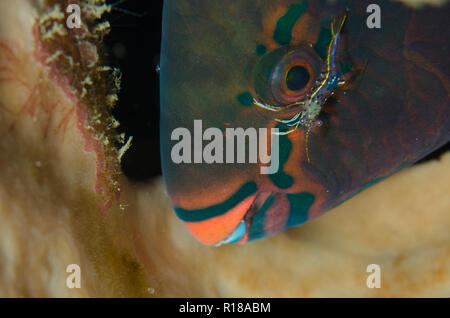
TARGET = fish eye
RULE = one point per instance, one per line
(286, 74)
(297, 78)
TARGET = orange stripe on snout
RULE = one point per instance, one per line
(216, 229)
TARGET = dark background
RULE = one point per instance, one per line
(133, 46)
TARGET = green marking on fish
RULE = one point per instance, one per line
(260, 49)
(300, 203)
(256, 230)
(245, 98)
(280, 179)
(283, 30)
(345, 67)
(198, 215)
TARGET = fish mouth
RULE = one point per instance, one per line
(236, 235)
(240, 233)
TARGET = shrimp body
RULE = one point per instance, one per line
(327, 83)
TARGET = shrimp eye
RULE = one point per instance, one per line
(285, 75)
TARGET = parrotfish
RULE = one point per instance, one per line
(347, 101)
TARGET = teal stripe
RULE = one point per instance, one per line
(281, 179)
(244, 192)
(283, 30)
(256, 230)
(299, 208)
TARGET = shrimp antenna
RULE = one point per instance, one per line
(119, 2)
(335, 30)
(327, 83)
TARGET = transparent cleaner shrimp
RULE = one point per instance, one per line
(327, 83)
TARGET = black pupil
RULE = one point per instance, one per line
(297, 78)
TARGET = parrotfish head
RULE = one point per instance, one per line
(275, 111)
